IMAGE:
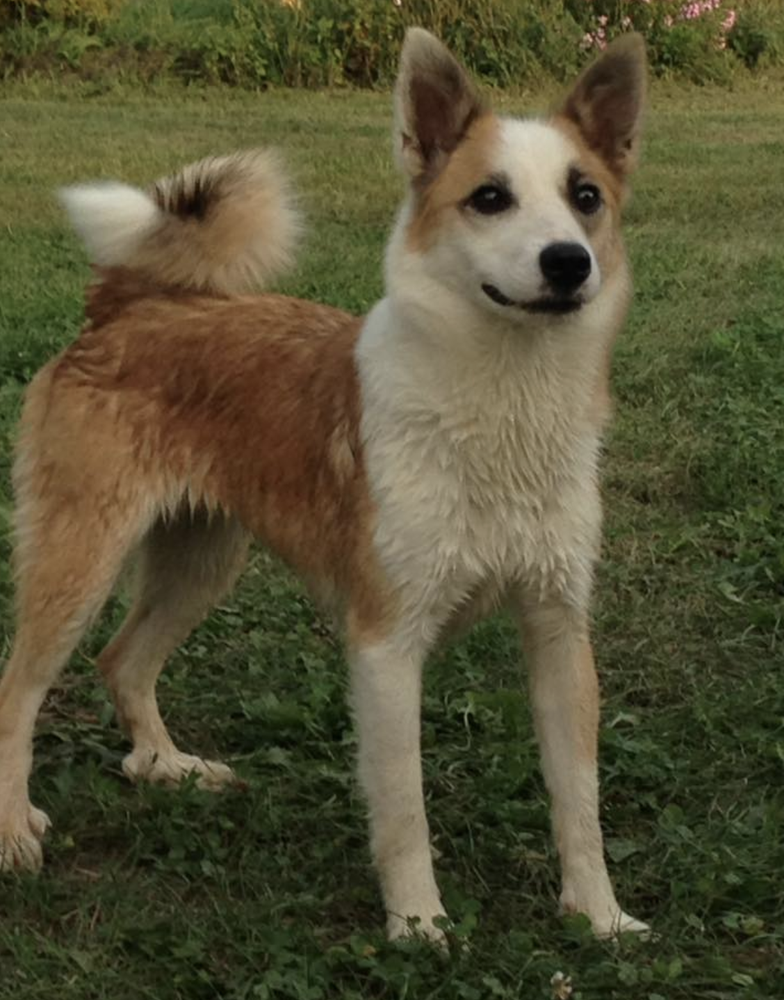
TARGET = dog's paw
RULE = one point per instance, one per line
(172, 767)
(621, 923)
(399, 926)
(20, 839)
(611, 923)
(596, 900)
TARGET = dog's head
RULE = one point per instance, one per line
(516, 217)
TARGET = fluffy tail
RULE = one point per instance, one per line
(223, 225)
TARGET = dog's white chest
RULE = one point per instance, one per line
(484, 486)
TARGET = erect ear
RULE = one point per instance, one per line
(607, 101)
(435, 102)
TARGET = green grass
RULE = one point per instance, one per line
(268, 893)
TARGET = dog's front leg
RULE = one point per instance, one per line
(565, 701)
(386, 680)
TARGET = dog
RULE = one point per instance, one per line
(418, 468)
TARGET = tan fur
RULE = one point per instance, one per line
(466, 169)
(150, 430)
(223, 225)
(186, 566)
(606, 239)
(435, 105)
(606, 100)
(260, 423)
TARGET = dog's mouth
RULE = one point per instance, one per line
(559, 306)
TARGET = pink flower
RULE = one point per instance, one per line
(594, 39)
(729, 21)
(691, 11)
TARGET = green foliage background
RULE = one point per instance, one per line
(317, 43)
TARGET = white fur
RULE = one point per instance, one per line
(224, 224)
(482, 460)
(502, 250)
(386, 687)
(536, 157)
(113, 219)
(481, 456)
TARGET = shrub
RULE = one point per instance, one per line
(314, 43)
(70, 12)
(757, 37)
(686, 36)
(358, 41)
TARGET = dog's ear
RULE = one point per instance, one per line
(435, 102)
(606, 103)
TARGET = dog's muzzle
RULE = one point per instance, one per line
(565, 266)
(558, 306)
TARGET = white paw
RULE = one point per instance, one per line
(620, 923)
(610, 921)
(414, 925)
(595, 898)
(20, 839)
(170, 767)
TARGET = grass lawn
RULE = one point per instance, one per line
(268, 892)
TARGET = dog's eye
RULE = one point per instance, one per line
(587, 198)
(490, 199)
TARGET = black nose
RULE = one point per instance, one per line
(565, 265)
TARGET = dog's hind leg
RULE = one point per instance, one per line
(186, 566)
(69, 552)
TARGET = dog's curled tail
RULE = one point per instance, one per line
(223, 225)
